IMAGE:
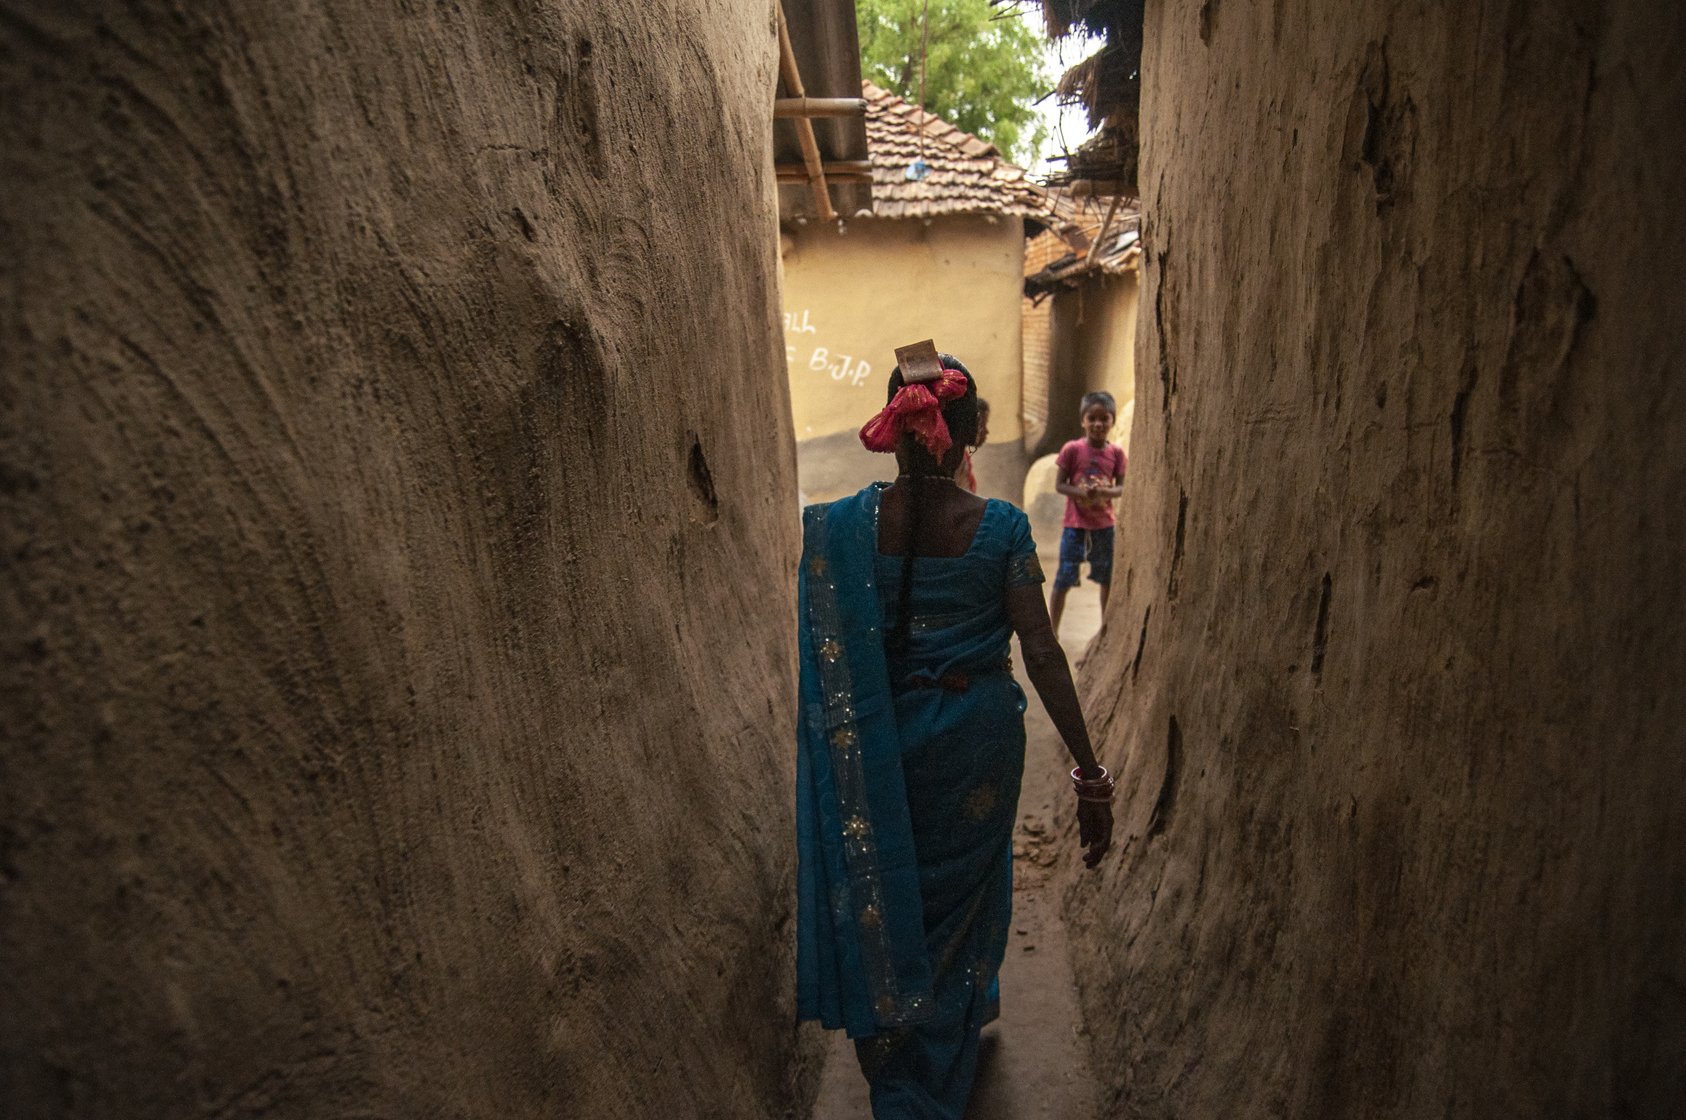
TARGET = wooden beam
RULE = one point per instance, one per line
(836, 171)
(1105, 225)
(804, 127)
(787, 108)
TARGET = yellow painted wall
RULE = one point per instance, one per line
(852, 296)
(1109, 334)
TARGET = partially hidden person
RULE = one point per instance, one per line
(966, 476)
(1091, 476)
(911, 749)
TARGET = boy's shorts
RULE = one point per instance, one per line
(1078, 545)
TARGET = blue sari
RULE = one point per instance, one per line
(906, 794)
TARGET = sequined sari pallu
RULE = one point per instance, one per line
(906, 798)
(861, 960)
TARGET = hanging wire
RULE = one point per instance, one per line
(924, 58)
(918, 169)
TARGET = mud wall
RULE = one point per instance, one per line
(853, 293)
(1394, 684)
(395, 455)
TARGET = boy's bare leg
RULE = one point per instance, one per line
(1056, 607)
(1105, 587)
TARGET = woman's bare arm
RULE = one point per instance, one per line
(1045, 664)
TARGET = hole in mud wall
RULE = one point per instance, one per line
(1177, 546)
(1320, 637)
(1141, 645)
(707, 508)
(1163, 804)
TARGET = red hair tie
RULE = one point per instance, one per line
(916, 408)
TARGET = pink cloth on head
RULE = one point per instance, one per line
(916, 408)
(1080, 463)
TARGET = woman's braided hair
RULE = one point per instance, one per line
(961, 415)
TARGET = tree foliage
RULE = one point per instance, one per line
(982, 74)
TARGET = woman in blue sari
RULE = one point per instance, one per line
(911, 748)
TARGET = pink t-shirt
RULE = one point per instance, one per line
(1080, 463)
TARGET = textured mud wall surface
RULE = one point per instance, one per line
(397, 508)
(1394, 684)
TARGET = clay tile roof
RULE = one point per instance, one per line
(967, 176)
(1066, 255)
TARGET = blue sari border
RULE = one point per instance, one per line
(862, 962)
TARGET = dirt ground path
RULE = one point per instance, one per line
(1035, 1061)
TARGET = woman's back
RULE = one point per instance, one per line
(958, 607)
(947, 518)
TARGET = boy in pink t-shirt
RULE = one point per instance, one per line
(1091, 474)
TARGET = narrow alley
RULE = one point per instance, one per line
(406, 414)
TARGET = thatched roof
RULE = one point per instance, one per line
(967, 175)
(1105, 83)
(1104, 164)
(1094, 17)
(1108, 85)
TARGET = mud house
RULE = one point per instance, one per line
(1082, 279)
(330, 365)
(1402, 535)
(939, 256)
(1079, 335)
(398, 705)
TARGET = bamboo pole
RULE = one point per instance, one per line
(786, 108)
(804, 126)
(836, 171)
(1095, 247)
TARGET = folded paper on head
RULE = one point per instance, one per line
(919, 362)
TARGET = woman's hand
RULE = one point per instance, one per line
(1094, 830)
(1045, 664)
